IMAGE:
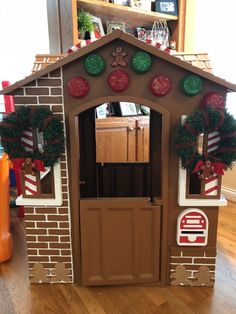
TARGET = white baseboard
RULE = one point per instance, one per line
(229, 194)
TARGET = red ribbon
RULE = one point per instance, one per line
(218, 167)
(18, 162)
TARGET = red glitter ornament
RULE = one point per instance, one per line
(78, 87)
(118, 80)
(160, 85)
(214, 100)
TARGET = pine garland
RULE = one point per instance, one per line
(15, 123)
(208, 120)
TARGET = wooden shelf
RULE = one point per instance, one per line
(117, 12)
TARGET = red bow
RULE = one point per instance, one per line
(218, 167)
(18, 162)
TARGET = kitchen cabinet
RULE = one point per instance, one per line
(122, 139)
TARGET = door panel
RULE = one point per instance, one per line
(120, 241)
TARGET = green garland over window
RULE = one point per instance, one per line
(207, 120)
(15, 123)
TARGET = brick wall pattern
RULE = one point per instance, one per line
(48, 229)
(192, 259)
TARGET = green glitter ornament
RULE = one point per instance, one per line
(94, 65)
(191, 85)
(141, 62)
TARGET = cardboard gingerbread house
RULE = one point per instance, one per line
(122, 199)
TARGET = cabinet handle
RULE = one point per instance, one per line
(130, 129)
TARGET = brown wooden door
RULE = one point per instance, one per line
(120, 241)
(115, 140)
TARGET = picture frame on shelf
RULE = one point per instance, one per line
(101, 111)
(145, 5)
(121, 2)
(128, 109)
(112, 25)
(98, 31)
(167, 7)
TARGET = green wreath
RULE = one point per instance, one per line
(207, 120)
(15, 123)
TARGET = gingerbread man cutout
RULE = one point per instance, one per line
(204, 277)
(60, 273)
(207, 170)
(27, 167)
(119, 55)
(39, 274)
(181, 276)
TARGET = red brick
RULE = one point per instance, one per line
(56, 91)
(36, 259)
(31, 238)
(29, 210)
(30, 224)
(25, 100)
(63, 210)
(65, 252)
(204, 260)
(32, 252)
(19, 91)
(49, 252)
(64, 188)
(64, 225)
(61, 259)
(59, 245)
(48, 238)
(37, 91)
(56, 73)
(47, 224)
(59, 231)
(50, 100)
(64, 181)
(49, 82)
(58, 217)
(64, 239)
(36, 231)
(48, 210)
(35, 217)
(38, 245)
(181, 260)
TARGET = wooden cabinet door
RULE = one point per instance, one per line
(142, 145)
(115, 140)
(120, 241)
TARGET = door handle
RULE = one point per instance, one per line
(82, 182)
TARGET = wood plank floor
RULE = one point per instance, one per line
(16, 296)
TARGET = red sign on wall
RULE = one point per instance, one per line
(192, 228)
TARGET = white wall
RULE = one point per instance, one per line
(215, 34)
(23, 34)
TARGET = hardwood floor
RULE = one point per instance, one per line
(16, 296)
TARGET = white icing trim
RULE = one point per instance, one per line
(183, 201)
(57, 201)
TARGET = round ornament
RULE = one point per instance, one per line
(214, 100)
(94, 65)
(78, 87)
(160, 85)
(141, 62)
(191, 85)
(118, 80)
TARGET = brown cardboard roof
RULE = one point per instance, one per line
(118, 34)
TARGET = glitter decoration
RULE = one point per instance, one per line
(94, 65)
(118, 80)
(78, 87)
(214, 100)
(191, 85)
(141, 62)
(160, 85)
